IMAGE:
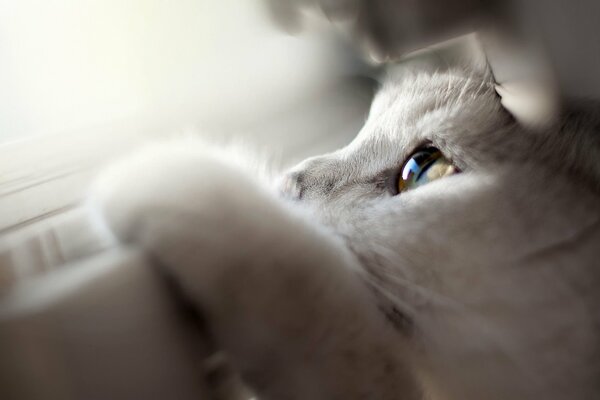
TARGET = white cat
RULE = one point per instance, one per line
(446, 253)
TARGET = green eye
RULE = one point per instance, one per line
(423, 166)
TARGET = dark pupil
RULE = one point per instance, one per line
(419, 163)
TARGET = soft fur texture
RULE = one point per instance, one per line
(481, 285)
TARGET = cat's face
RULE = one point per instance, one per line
(500, 247)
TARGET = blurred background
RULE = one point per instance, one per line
(228, 66)
(214, 66)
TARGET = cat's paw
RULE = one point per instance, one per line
(162, 185)
(281, 295)
(215, 225)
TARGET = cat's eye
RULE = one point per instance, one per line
(426, 164)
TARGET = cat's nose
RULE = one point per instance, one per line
(303, 179)
(312, 178)
(290, 185)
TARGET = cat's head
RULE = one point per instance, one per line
(474, 237)
(468, 224)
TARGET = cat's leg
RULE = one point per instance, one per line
(281, 296)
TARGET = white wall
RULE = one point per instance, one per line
(66, 65)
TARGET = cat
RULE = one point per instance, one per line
(446, 253)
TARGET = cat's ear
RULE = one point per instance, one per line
(464, 55)
(532, 98)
